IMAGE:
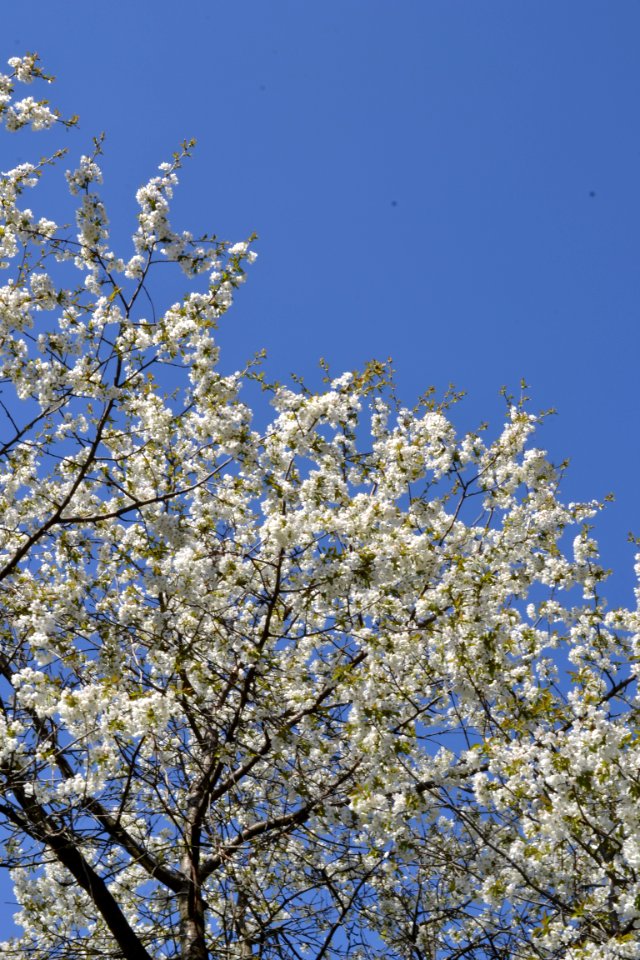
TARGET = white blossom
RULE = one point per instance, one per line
(337, 668)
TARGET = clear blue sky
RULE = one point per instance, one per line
(455, 184)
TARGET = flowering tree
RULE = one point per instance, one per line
(336, 688)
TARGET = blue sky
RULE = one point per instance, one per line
(453, 184)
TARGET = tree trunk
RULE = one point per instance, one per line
(192, 939)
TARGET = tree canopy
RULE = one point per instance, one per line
(342, 686)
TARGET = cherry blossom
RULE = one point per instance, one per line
(342, 686)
